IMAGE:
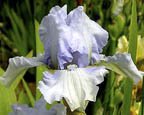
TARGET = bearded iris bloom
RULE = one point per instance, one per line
(73, 45)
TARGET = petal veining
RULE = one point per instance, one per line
(72, 38)
(77, 86)
(94, 35)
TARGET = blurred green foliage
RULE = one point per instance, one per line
(17, 31)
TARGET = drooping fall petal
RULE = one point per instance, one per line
(76, 85)
(122, 63)
(18, 65)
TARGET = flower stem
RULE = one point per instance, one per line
(69, 112)
(75, 112)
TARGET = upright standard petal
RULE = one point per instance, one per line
(39, 109)
(18, 65)
(94, 35)
(76, 85)
(62, 44)
(122, 64)
(72, 38)
(50, 30)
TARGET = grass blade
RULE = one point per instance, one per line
(7, 98)
(132, 50)
(127, 96)
(133, 32)
(39, 49)
(30, 96)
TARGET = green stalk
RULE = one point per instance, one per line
(132, 50)
(133, 32)
(39, 49)
(69, 112)
(127, 96)
(30, 96)
(109, 92)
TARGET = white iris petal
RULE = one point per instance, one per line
(18, 65)
(76, 85)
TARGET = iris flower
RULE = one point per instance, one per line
(39, 109)
(73, 45)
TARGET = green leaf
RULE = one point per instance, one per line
(22, 98)
(18, 32)
(39, 45)
(29, 93)
(98, 108)
(39, 49)
(127, 97)
(116, 28)
(7, 98)
(133, 32)
(132, 50)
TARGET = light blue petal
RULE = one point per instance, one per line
(93, 34)
(72, 48)
(52, 28)
(76, 85)
(72, 39)
(123, 64)
(62, 44)
(18, 65)
(60, 14)
(39, 109)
